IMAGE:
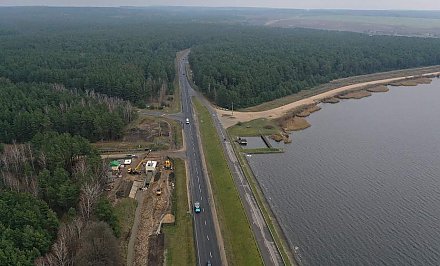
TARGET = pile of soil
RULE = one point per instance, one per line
(380, 88)
(308, 110)
(169, 219)
(294, 123)
(331, 100)
(355, 95)
(412, 82)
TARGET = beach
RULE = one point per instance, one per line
(228, 119)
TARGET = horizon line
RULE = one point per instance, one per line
(223, 7)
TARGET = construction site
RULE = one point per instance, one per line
(149, 179)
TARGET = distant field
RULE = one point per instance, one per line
(388, 25)
(425, 23)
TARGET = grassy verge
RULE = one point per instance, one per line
(263, 150)
(269, 217)
(241, 247)
(255, 127)
(179, 241)
(125, 210)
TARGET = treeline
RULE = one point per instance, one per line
(126, 53)
(30, 108)
(255, 65)
(54, 177)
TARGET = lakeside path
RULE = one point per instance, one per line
(227, 120)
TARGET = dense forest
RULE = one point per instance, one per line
(69, 76)
(126, 53)
(255, 65)
(30, 108)
(53, 175)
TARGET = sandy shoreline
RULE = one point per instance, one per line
(227, 120)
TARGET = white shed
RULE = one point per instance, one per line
(150, 166)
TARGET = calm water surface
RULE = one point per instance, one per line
(362, 185)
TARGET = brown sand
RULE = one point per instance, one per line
(284, 110)
(277, 137)
(412, 82)
(331, 100)
(381, 88)
(310, 109)
(168, 219)
(355, 95)
(294, 123)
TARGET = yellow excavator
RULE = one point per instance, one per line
(137, 169)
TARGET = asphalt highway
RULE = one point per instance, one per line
(205, 234)
(265, 241)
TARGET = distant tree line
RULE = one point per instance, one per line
(254, 65)
(69, 76)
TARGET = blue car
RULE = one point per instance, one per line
(197, 207)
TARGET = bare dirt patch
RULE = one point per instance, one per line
(412, 82)
(293, 123)
(331, 100)
(144, 133)
(309, 110)
(149, 246)
(355, 95)
(381, 88)
(156, 246)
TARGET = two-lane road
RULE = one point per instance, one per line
(205, 233)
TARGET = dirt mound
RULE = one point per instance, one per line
(332, 100)
(294, 123)
(169, 219)
(307, 111)
(412, 82)
(355, 95)
(380, 88)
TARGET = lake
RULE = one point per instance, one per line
(361, 186)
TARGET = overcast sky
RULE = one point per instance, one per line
(336, 4)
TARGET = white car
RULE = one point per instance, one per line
(187, 121)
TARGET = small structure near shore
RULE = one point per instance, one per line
(242, 141)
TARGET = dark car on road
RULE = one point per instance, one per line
(197, 207)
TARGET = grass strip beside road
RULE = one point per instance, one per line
(241, 247)
(269, 217)
(125, 210)
(179, 241)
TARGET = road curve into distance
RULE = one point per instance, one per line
(205, 234)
